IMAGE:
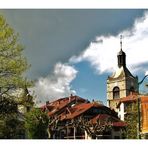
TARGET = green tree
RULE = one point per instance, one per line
(131, 118)
(10, 125)
(12, 68)
(36, 124)
(12, 63)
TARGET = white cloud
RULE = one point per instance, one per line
(57, 84)
(102, 53)
(146, 73)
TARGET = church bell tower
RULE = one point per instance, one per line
(122, 82)
(121, 56)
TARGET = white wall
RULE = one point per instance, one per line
(121, 111)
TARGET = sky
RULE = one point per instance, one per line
(73, 51)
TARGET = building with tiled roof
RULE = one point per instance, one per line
(144, 111)
(123, 103)
(58, 106)
(133, 98)
(123, 95)
(77, 118)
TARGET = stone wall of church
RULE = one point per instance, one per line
(113, 104)
(119, 83)
(124, 85)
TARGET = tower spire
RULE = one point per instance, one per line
(121, 42)
(121, 55)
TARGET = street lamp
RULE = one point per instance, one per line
(142, 80)
(139, 115)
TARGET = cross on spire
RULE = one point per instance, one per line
(121, 37)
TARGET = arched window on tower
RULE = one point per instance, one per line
(116, 93)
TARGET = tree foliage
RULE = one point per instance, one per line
(131, 118)
(36, 124)
(94, 129)
(7, 106)
(12, 128)
(12, 63)
(12, 68)
(10, 125)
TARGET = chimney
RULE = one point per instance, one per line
(70, 97)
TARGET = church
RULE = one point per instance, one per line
(123, 92)
(122, 82)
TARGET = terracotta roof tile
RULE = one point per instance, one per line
(79, 109)
(129, 98)
(119, 124)
(132, 98)
(107, 118)
(55, 106)
(104, 117)
(70, 111)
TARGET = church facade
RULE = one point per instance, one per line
(121, 83)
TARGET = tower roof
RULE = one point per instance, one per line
(121, 52)
(121, 55)
(120, 73)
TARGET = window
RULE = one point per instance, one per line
(116, 93)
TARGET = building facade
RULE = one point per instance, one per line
(77, 118)
(144, 116)
(129, 106)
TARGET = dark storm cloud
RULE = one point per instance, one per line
(52, 36)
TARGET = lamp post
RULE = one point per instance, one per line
(139, 113)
